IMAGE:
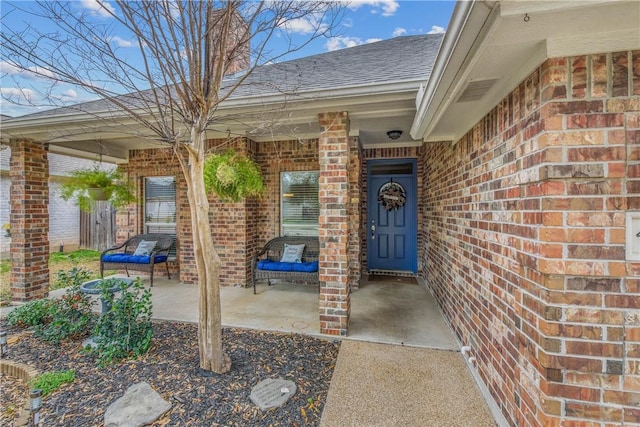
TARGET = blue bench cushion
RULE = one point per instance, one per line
(133, 259)
(302, 267)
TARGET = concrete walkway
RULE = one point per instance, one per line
(390, 385)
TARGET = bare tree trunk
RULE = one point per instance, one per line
(212, 356)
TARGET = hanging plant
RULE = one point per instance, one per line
(87, 186)
(232, 176)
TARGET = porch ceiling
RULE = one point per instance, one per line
(496, 45)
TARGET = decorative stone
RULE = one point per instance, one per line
(272, 393)
(139, 406)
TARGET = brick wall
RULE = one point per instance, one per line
(336, 267)
(524, 221)
(130, 219)
(235, 225)
(29, 170)
(273, 158)
(357, 216)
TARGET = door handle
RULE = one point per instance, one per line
(373, 229)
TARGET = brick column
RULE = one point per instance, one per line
(333, 224)
(29, 220)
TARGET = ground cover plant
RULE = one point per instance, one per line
(49, 382)
(171, 368)
(122, 331)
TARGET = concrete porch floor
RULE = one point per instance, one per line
(382, 311)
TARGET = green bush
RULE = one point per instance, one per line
(33, 313)
(125, 330)
(49, 382)
(70, 315)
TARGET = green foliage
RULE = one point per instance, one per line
(33, 313)
(125, 330)
(5, 266)
(70, 315)
(111, 182)
(49, 382)
(78, 256)
(232, 176)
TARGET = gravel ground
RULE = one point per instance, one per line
(171, 368)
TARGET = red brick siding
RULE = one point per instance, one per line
(232, 223)
(273, 158)
(130, 219)
(356, 214)
(335, 266)
(29, 220)
(524, 227)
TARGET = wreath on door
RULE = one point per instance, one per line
(392, 196)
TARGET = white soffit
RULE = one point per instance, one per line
(523, 35)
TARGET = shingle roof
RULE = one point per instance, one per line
(398, 59)
(406, 58)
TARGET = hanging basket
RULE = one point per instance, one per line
(97, 194)
(86, 186)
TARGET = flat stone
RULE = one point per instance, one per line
(139, 406)
(272, 393)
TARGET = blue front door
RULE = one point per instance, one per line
(392, 216)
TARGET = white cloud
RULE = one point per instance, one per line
(399, 32)
(69, 93)
(18, 95)
(436, 30)
(98, 7)
(335, 43)
(9, 69)
(120, 42)
(305, 25)
(388, 7)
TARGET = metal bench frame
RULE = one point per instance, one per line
(274, 249)
(163, 244)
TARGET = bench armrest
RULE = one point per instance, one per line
(113, 248)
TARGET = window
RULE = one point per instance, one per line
(300, 207)
(160, 207)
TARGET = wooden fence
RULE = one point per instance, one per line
(98, 228)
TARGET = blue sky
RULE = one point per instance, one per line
(365, 21)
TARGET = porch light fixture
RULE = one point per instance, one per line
(4, 347)
(35, 398)
(394, 134)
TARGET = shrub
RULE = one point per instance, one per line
(125, 330)
(49, 382)
(33, 313)
(70, 315)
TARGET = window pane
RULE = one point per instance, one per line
(160, 206)
(300, 206)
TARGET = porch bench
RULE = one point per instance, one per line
(123, 257)
(267, 264)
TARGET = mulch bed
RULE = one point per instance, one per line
(171, 368)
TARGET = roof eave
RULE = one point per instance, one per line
(246, 102)
(470, 24)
